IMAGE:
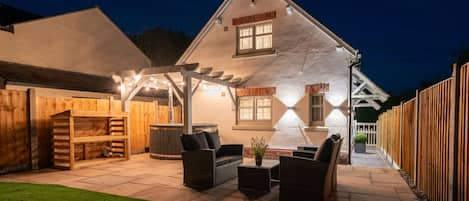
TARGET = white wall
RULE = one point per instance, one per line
(83, 41)
(295, 39)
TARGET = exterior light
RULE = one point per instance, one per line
(219, 21)
(122, 88)
(289, 10)
(137, 77)
(147, 88)
(339, 48)
(152, 79)
(253, 3)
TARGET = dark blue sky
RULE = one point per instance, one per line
(403, 41)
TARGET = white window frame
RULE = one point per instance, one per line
(254, 119)
(253, 37)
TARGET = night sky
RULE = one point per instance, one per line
(403, 41)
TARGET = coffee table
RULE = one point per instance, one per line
(257, 178)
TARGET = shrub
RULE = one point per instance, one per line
(360, 138)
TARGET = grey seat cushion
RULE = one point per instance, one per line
(227, 159)
(194, 142)
(213, 140)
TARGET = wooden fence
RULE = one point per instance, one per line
(14, 135)
(25, 122)
(428, 137)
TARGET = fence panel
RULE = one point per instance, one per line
(14, 131)
(433, 140)
(463, 138)
(408, 137)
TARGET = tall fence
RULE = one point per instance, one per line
(428, 137)
(25, 125)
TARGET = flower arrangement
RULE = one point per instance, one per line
(259, 147)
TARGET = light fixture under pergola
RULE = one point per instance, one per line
(173, 78)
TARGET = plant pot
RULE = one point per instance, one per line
(259, 161)
(360, 147)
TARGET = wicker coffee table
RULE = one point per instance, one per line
(257, 178)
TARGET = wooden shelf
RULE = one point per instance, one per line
(105, 138)
(80, 137)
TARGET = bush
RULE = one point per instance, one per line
(360, 138)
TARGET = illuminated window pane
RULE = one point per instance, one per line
(263, 29)
(246, 102)
(245, 32)
(263, 113)
(245, 43)
(245, 114)
(317, 109)
(263, 102)
(264, 42)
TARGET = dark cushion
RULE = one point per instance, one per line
(227, 159)
(304, 154)
(213, 140)
(194, 142)
(325, 151)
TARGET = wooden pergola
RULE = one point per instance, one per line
(365, 93)
(173, 78)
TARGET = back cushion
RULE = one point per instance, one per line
(213, 140)
(194, 142)
(325, 151)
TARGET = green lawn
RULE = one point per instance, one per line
(34, 192)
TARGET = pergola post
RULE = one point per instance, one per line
(187, 104)
(171, 105)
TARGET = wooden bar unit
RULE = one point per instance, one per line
(87, 138)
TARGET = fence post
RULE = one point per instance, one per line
(453, 154)
(416, 134)
(401, 128)
(33, 141)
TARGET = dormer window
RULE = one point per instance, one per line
(254, 38)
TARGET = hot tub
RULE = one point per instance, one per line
(165, 142)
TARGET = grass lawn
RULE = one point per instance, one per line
(35, 192)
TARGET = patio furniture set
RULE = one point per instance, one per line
(310, 173)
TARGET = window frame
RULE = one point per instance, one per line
(313, 106)
(253, 40)
(254, 110)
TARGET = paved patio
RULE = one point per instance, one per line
(372, 158)
(151, 179)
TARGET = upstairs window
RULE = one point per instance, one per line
(254, 38)
(255, 108)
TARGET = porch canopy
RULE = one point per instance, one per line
(365, 93)
(173, 78)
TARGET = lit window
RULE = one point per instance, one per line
(317, 109)
(255, 38)
(255, 108)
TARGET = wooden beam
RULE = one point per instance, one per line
(196, 87)
(178, 97)
(171, 105)
(453, 135)
(206, 71)
(227, 77)
(231, 96)
(359, 89)
(160, 70)
(187, 129)
(369, 97)
(178, 91)
(207, 78)
(217, 74)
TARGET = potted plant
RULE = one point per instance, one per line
(258, 147)
(360, 142)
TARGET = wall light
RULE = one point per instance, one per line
(290, 10)
(219, 21)
(339, 48)
(253, 3)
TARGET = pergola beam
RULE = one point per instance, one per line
(187, 129)
(207, 78)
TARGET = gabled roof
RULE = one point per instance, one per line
(21, 74)
(226, 4)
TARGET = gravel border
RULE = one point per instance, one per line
(421, 196)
